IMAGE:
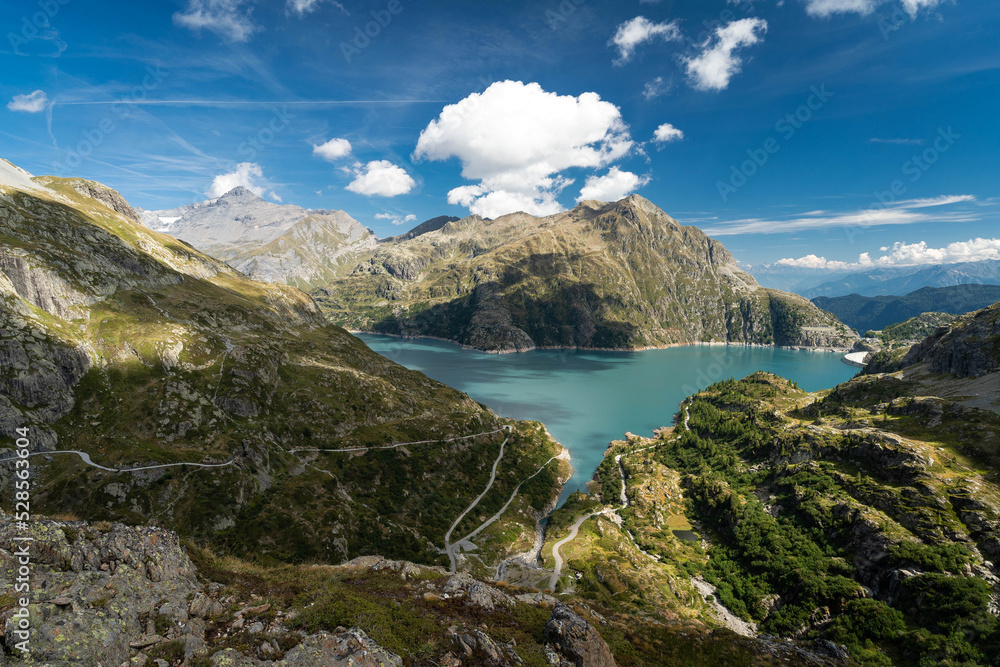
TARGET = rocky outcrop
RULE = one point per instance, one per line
(345, 648)
(110, 198)
(97, 590)
(968, 347)
(575, 642)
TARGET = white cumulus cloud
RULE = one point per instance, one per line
(632, 34)
(908, 254)
(334, 149)
(247, 174)
(380, 178)
(31, 103)
(827, 8)
(515, 139)
(614, 185)
(396, 218)
(667, 133)
(226, 18)
(717, 63)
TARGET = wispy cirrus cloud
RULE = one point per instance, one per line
(898, 142)
(827, 8)
(905, 212)
(226, 18)
(303, 7)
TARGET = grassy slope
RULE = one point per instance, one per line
(216, 367)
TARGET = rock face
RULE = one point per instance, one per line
(968, 347)
(269, 242)
(107, 594)
(576, 641)
(621, 275)
(110, 198)
(96, 587)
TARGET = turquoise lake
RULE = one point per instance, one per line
(587, 399)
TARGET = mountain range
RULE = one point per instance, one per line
(878, 312)
(620, 275)
(267, 241)
(812, 283)
(219, 476)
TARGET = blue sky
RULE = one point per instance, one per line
(788, 129)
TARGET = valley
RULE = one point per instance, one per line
(815, 519)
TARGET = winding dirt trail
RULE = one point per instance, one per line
(448, 546)
(86, 459)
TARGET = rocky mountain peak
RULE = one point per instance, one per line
(240, 192)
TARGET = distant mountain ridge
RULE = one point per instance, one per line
(902, 280)
(811, 282)
(622, 275)
(877, 312)
(270, 242)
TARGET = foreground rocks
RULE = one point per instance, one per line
(578, 644)
(110, 595)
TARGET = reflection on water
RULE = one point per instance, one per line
(586, 399)
(686, 535)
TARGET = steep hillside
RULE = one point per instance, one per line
(231, 410)
(868, 516)
(269, 242)
(622, 275)
(878, 312)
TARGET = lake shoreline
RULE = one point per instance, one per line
(669, 346)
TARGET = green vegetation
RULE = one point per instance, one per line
(914, 329)
(854, 517)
